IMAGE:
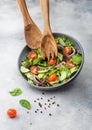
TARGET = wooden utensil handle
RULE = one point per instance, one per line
(26, 17)
(45, 14)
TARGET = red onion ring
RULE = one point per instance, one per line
(60, 46)
(74, 51)
(59, 65)
(36, 81)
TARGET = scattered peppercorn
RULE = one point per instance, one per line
(43, 93)
(50, 114)
(35, 111)
(48, 100)
(30, 123)
(49, 106)
(53, 102)
(37, 98)
(58, 105)
(45, 108)
(40, 104)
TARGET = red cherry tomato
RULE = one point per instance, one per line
(32, 55)
(34, 69)
(69, 64)
(52, 77)
(12, 113)
(52, 62)
(67, 50)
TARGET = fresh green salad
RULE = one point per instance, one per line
(46, 73)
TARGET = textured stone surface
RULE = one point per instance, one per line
(75, 112)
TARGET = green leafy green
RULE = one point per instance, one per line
(38, 51)
(26, 62)
(39, 76)
(43, 71)
(63, 75)
(16, 92)
(68, 43)
(25, 103)
(65, 69)
(43, 63)
(36, 61)
(64, 38)
(59, 40)
(60, 56)
(74, 69)
(30, 81)
(29, 75)
(76, 59)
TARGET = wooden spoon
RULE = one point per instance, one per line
(48, 44)
(31, 31)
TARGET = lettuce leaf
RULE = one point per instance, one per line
(76, 59)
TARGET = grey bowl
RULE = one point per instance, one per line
(75, 43)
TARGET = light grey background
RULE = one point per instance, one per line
(73, 17)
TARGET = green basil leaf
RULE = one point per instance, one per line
(25, 103)
(16, 92)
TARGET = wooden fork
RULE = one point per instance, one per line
(48, 44)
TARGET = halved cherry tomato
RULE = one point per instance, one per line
(12, 113)
(70, 64)
(67, 50)
(34, 69)
(52, 77)
(32, 55)
(52, 62)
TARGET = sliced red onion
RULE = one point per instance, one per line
(46, 68)
(73, 52)
(60, 46)
(59, 65)
(36, 81)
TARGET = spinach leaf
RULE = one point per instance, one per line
(25, 103)
(16, 92)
